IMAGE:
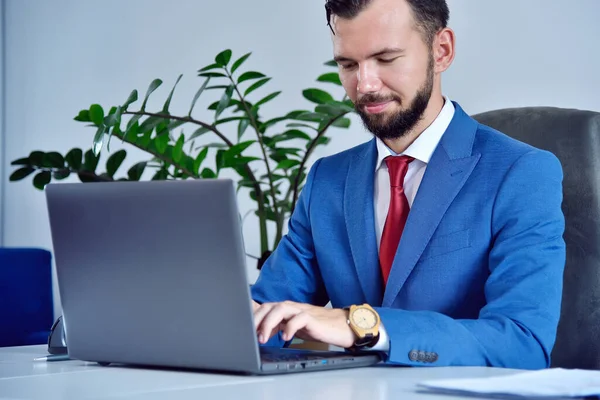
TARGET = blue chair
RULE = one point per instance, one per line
(26, 306)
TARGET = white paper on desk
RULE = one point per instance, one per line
(547, 383)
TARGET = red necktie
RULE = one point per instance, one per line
(397, 213)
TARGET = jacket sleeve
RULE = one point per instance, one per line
(291, 272)
(517, 326)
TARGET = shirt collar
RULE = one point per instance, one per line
(423, 147)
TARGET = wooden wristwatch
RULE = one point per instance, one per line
(364, 322)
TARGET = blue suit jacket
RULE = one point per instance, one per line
(477, 278)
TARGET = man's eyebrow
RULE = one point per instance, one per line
(387, 50)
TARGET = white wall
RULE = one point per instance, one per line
(66, 54)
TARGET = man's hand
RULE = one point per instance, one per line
(304, 321)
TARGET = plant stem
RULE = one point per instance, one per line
(258, 190)
(260, 141)
(85, 173)
(183, 119)
(309, 150)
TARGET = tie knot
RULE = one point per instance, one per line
(397, 167)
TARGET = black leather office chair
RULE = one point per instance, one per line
(574, 137)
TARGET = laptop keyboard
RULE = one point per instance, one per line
(283, 355)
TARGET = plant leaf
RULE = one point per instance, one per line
(290, 135)
(149, 124)
(135, 172)
(161, 175)
(96, 114)
(220, 87)
(208, 173)
(239, 148)
(331, 63)
(239, 62)
(53, 160)
(132, 132)
(212, 75)
(91, 161)
(311, 117)
(256, 85)
(42, 179)
(287, 164)
(266, 99)
(333, 109)
(84, 116)
(271, 122)
(168, 102)
(317, 96)
(133, 96)
(286, 150)
(320, 140)
(21, 161)
(230, 119)
(21, 173)
(197, 96)
(342, 123)
(331, 77)
(113, 117)
(162, 142)
(215, 145)
(178, 149)
(223, 58)
(151, 88)
(209, 67)
(232, 102)
(98, 140)
(224, 102)
(199, 159)
(175, 124)
(250, 75)
(200, 131)
(61, 174)
(36, 158)
(74, 158)
(114, 162)
(299, 125)
(242, 126)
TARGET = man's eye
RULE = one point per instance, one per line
(387, 60)
(347, 66)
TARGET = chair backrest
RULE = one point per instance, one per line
(26, 307)
(574, 137)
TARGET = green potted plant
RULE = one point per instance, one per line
(274, 174)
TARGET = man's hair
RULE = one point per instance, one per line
(430, 15)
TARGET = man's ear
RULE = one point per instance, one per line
(443, 49)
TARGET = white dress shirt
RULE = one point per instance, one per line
(421, 150)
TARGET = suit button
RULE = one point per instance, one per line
(430, 357)
(433, 357)
(413, 355)
(422, 356)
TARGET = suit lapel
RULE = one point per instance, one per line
(450, 166)
(359, 214)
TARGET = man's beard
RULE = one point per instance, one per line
(402, 121)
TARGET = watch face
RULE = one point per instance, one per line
(364, 318)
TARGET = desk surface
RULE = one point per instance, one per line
(23, 378)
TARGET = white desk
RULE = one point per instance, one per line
(23, 378)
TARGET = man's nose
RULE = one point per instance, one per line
(368, 79)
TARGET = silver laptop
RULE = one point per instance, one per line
(154, 274)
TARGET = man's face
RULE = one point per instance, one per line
(386, 67)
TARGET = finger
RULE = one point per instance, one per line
(300, 321)
(261, 312)
(270, 323)
(255, 306)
